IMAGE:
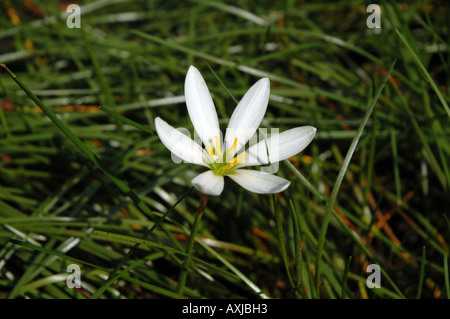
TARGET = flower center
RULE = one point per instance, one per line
(221, 163)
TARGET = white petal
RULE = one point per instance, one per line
(281, 146)
(178, 143)
(259, 182)
(248, 114)
(208, 183)
(201, 107)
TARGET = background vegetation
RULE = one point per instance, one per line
(95, 187)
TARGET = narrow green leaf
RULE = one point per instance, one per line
(340, 177)
(422, 272)
(344, 280)
(126, 120)
(446, 276)
(81, 146)
(190, 245)
(425, 72)
(298, 248)
(282, 239)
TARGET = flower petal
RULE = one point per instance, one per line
(201, 107)
(259, 182)
(178, 143)
(248, 114)
(208, 183)
(281, 146)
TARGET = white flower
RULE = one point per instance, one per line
(219, 154)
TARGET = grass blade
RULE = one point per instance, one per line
(344, 281)
(281, 238)
(81, 146)
(446, 276)
(426, 73)
(126, 120)
(190, 244)
(422, 272)
(298, 248)
(340, 177)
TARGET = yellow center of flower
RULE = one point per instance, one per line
(219, 162)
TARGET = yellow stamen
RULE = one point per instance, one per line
(219, 153)
(233, 147)
(235, 161)
(238, 159)
(211, 152)
(229, 165)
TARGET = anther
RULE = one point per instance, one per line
(218, 152)
(234, 146)
(211, 152)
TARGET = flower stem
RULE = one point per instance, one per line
(190, 244)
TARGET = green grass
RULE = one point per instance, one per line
(85, 180)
